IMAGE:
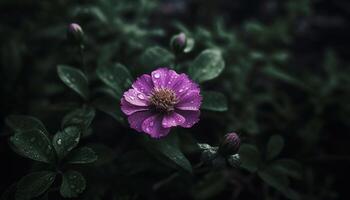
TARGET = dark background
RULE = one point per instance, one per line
(307, 39)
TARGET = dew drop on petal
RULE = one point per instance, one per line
(140, 96)
(156, 75)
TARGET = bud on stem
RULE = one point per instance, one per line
(75, 33)
(230, 144)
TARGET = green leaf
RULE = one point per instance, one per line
(157, 57)
(274, 146)
(64, 141)
(169, 148)
(111, 107)
(104, 154)
(214, 101)
(81, 117)
(73, 184)
(33, 144)
(189, 45)
(289, 167)
(207, 66)
(74, 79)
(278, 180)
(276, 73)
(22, 123)
(250, 157)
(34, 184)
(82, 155)
(116, 76)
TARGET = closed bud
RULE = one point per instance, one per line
(230, 144)
(75, 33)
(178, 43)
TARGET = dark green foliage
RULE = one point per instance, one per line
(275, 72)
(34, 184)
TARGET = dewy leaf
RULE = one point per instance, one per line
(274, 146)
(170, 149)
(34, 185)
(207, 66)
(75, 79)
(33, 144)
(250, 157)
(278, 180)
(73, 184)
(116, 76)
(81, 117)
(22, 123)
(64, 141)
(82, 155)
(157, 57)
(214, 101)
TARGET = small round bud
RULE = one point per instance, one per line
(75, 33)
(178, 43)
(230, 144)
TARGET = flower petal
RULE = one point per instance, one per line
(190, 101)
(136, 119)
(129, 108)
(172, 119)
(181, 85)
(191, 117)
(144, 84)
(136, 98)
(159, 77)
(153, 126)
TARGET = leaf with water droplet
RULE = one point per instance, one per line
(116, 76)
(83, 155)
(34, 185)
(81, 117)
(64, 141)
(33, 144)
(74, 79)
(207, 66)
(73, 183)
(214, 101)
(22, 123)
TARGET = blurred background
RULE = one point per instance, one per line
(287, 73)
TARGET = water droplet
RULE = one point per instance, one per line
(59, 141)
(156, 75)
(132, 98)
(181, 90)
(192, 102)
(32, 139)
(140, 96)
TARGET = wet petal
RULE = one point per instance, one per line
(153, 126)
(159, 77)
(136, 119)
(191, 117)
(182, 85)
(129, 108)
(144, 84)
(136, 98)
(190, 101)
(172, 119)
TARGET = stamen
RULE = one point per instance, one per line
(163, 99)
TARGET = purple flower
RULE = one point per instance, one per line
(160, 101)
